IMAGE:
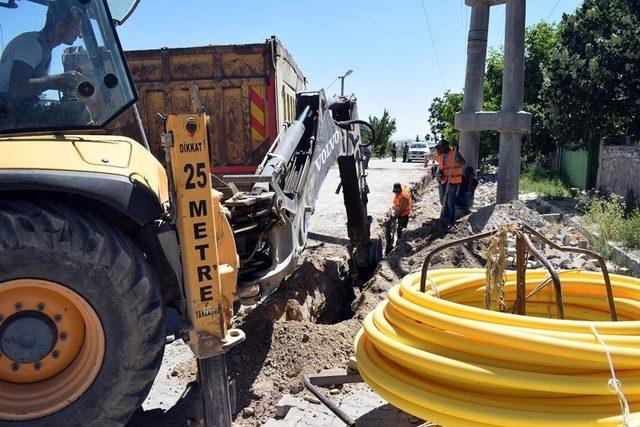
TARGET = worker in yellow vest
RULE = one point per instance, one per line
(401, 206)
(450, 163)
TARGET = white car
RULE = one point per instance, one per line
(418, 151)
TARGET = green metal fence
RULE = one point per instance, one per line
(580, 167)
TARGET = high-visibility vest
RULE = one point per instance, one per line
(452, 171)
(397, 201)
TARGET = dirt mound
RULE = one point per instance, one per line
(292, 333)
(411, 252)
(494, 216)
(278, 357)
(315, 292)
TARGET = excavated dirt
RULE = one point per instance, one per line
(294, 340)
(310, 323)
(306, 327)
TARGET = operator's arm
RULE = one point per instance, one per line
(21, 84)
(459, 159)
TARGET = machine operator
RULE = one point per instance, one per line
(26, 61)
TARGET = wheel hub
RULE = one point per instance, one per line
(52, 346)
(27, 336)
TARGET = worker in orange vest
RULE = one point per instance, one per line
(450, 163)
(401, 206)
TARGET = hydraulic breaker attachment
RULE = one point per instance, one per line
(209, 258)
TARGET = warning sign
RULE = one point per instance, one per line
(195, 223)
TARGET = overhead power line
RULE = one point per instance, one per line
(433, 43)
(554, 9)
(336, 79)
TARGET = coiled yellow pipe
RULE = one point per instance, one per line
(450, 361)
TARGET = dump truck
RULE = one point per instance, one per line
(98, 237)
(249, 90)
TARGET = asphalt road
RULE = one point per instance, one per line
(330, 215)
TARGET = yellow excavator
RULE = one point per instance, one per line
(97, 237)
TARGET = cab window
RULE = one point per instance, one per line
(61, 67)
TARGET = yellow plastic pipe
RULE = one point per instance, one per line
(448, 360)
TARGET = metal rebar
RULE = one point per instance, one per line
(554, 275)
(425, 265)
(328, 403)
(552, 271)
(214, 389)
(598, 257)
(521, 275)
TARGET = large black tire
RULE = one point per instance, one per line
(45, 239)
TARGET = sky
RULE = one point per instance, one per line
(387, 44)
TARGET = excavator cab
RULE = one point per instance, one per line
(97, 237)
(62, 67)
(81, 265)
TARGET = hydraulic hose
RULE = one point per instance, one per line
(450, 361)
(348, 123)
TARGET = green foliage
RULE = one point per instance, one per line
(540, 39)
(537, 179)
(606, 216)
(384, 127)
(539, 42)
(630, 233)
(592, 83)
(493, 80)
(442, 112)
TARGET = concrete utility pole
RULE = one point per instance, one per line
(474, 78)
(510, 121)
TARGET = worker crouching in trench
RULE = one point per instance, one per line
(401, 207)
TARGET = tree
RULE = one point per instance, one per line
(441, 119)
(383, 128)
(540, 40)
(592, 83)
(441, 114)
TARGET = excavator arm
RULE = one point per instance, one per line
(270, 219)
(263, 228)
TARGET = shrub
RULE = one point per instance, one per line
(537, 179)
(630, 233)
(607, 217)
